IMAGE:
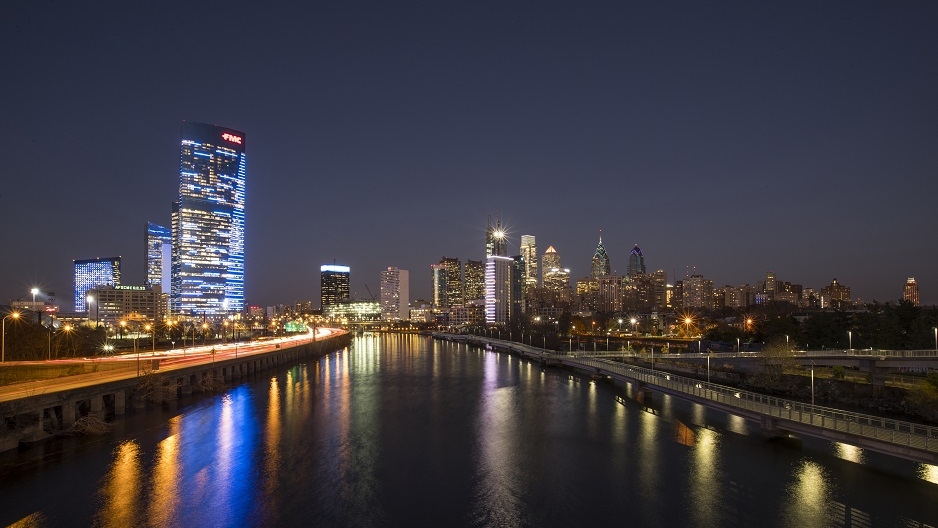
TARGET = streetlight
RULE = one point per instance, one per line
(936, 338)
(737, 345)
(90, 300)
(850, 339)
(634, 322)
(3, 340)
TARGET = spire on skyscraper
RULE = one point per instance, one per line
(600, 265)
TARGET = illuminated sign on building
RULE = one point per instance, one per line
(231, 137)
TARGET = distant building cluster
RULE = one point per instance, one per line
(502, 287)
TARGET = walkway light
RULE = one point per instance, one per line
(3, 327)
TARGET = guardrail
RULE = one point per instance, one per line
(879, 429)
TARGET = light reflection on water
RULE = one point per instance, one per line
(809, 496)
(403, 431)
(121, 490)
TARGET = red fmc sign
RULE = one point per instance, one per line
(231, 137)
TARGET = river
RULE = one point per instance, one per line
(402, 430)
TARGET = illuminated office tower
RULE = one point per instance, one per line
(208, 222)
(636, 262)
(551, 260)
(600, 263)
(334, 285)
(91, 273)
(496, 239)
(529, 254)
(159, 241)
(454, 288)
(395, 294)
(910, 293)
(474, 288)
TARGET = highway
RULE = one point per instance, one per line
(131, 365)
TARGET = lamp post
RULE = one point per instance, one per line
(3, 340)
(90, 299)
(737, 346)
(936, 338)
(634, 322)
(620, 326)
(850, 339)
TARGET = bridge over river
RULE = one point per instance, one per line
(899, 438)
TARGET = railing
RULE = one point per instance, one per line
(882, 429)
(887, 430)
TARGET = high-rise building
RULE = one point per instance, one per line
(208, 222)
(334, 283)
(516, 289)
(159, 255)
(910, 293)
(496, 239)
(659, 280)
(92, 273)
(395, 294)
(600, 264)
(698, 292)
(135, 304)
(636, 262)
(438, 278)
(556, 279)
(454, 289)
(474, 288)
(771, 284)
(836, 295)
(497, 288)
(551, 260)
(529, 253)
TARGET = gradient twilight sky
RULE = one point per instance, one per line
(730, 137)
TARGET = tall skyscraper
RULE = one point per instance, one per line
(454, 288)
(496, 239)
(334, 285)
(474, 288)
(910, 293)
(553, 277)
(159, 242)
(438, 278)
(91, 273)
(497, 288)
(636, 262)
(395, 294)
(600, 266)
(529, 254)
(551, 260)
(208, 222)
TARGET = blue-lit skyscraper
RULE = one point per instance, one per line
(91, 273)
(159, 255)
(208, 222)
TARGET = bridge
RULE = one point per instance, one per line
(780, 416)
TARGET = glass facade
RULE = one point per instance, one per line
(159, 254)
(208, 222)
(91, 273)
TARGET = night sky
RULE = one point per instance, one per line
(727, 138)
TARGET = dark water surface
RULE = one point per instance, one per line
(406, 431)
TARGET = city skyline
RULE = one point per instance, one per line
(724, 141)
